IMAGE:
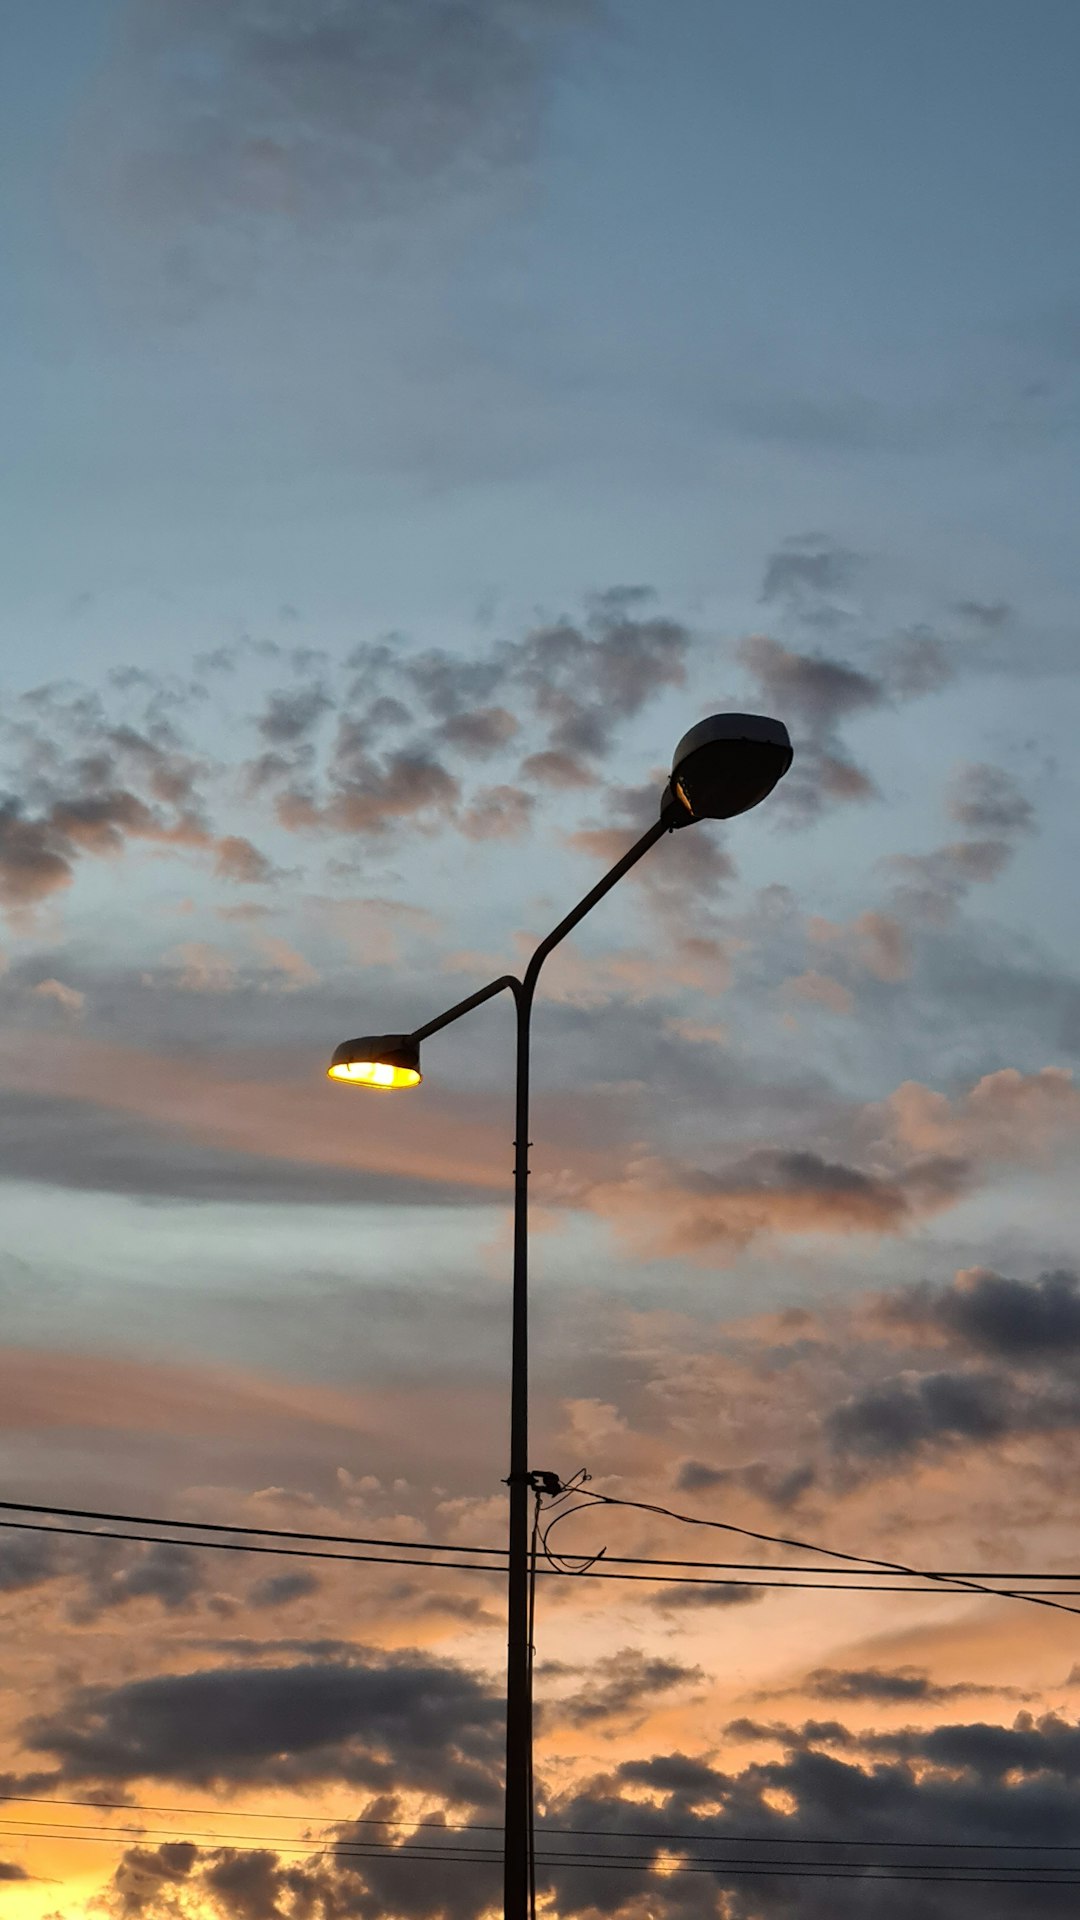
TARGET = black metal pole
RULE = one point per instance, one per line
(518, 1808)
(518, 1703)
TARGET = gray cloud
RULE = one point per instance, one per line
(988, 801)
(368, 795)
(559, 770)
(930, 886)
(452, 684)
(292, 714)
(340, 1876)
(223, 126)
(582, 679)
(1022, 1320)
(684, 1598)
(779, 1486)
(815, 693)
(479, 732)
(621, 1687)
(812, 688)
(88, 774)
(281, 1589)
(988, 614)
(54, 1141)
(891, 1685)
(25, 1561)
(964, 1785)
(806, 574)
(170, 1574)
(10, 1871)
(916, 664)
(145, 1871)
(498, 813)
(902, 1416)
(393, 1721)
(83, 783)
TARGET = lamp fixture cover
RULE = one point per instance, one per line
(727, 764)
(381, 1060)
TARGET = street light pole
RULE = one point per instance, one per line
(518, 1689)
(389, 1060)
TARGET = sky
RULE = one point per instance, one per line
(418, 414)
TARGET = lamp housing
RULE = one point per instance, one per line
(726, 765)
(384, 1061)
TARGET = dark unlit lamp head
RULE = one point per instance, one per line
(382, 1060)
(726, 764)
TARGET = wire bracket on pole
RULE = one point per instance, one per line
(548, 1483)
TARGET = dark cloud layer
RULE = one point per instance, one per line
(620, 1689)
(902, 1416)
(898, 1686)
(907, 1796)
(1016, 1345)
(1007, 1318)
(396, 1721)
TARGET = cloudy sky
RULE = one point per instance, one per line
(418, 413)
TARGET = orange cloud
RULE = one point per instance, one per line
(665, 1211)
(1005, 1116)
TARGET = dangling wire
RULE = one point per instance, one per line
(569, 1563)
(538, 1497)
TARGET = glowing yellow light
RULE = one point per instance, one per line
(374, 1073)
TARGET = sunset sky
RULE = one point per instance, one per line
(417, 414)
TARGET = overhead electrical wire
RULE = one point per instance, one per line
(469, 1566)
(954, 1583)
(952, 1871)
(229, 1526)
(659, 1864)
(420, 1823)
(342, 1846)
(845, 1585)
(445, 1546)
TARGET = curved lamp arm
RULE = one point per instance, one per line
(507, 980)
(523, 990)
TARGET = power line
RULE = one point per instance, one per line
(248, 1546)
(343, 1848)
(419, 1823)
(846, 1585)
(719, 1867)
(228, 1526)
(879, 1569)
(955, 1582)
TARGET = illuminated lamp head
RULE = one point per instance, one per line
(382, 1060)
